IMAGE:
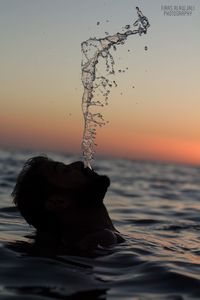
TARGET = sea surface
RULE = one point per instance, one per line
(156, 206)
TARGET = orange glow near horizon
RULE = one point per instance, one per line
(57, 136)
(150, 147)
(40, 133)
(153, 112)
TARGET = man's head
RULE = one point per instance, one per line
(48, 191)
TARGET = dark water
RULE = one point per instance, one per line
(156, 206)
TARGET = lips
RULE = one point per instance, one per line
(102, 181)
(90, 173)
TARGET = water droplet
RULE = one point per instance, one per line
(95, 85)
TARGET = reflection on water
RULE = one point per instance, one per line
(156, 207)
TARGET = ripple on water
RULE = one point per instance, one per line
(156, 206)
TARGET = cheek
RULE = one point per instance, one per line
(65, 180)
(78, 180)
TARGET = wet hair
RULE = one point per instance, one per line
(30, 194)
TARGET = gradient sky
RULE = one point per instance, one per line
(40, 78)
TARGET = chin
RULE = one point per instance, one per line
(97, 186)
(104, 181)
(97, 189)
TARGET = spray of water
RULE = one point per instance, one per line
(92, 50)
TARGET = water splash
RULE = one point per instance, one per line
(92, 49)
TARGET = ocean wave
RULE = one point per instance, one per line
(155, 206)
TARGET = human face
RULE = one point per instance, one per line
(75, 178)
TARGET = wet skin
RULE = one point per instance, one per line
(71, 176)
(77, 201)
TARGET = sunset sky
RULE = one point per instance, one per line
(154, 113)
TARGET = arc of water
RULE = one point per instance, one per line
(92, 49)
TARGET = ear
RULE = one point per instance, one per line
(57, 203)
